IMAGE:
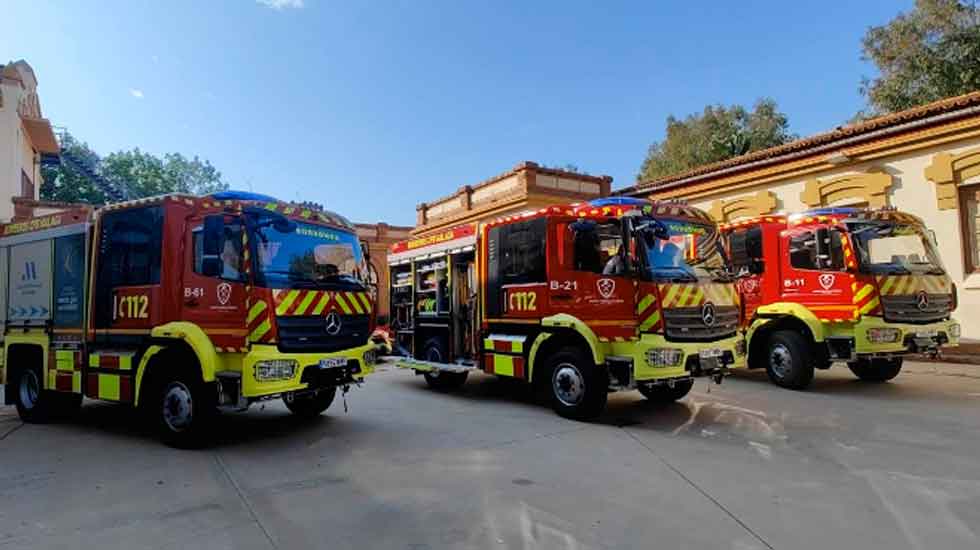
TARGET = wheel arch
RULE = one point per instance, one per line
(159, 354)
(548, 343)
(17, 353)
(762, 329)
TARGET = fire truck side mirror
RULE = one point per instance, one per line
(214, 227)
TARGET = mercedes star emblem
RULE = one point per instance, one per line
(922, 301)
(708, 314)
(333, 323)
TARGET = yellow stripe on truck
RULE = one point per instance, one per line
(283, 306)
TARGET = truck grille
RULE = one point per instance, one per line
(308, 333)
(905, 308)
(687, 323)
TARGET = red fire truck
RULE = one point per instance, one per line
(182, 306)
(579, 300)
(860, 286)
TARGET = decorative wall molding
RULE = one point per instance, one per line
(763, 202)
(870, 187)
(947, 171)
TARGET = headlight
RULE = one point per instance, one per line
(883, 335)
(664, 357)
(954, 330)
(275, 369)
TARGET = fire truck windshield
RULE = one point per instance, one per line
(895, 248)
(686, 250)
(307, 256)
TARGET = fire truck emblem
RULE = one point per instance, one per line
(922, 300)
(708, 314)
(827, 280)
(224, 293)
(606, 287)
(333, 323)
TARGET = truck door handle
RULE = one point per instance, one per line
(561, 296)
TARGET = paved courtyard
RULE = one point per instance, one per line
(743, 465)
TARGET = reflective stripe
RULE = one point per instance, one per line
(283, 306)
(367, 302)
(307, 300)
(645, 303)
(343, 305)
(354, 302)
(256, 310)
(650, 321)
(863, 293)
(260, 331)
(324, 300)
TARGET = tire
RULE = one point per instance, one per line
(440, 380)
(34, 404)
(311, 404)
(184, 409)
(876, 370)
(789, 360)
(578, 388)
(664, 393)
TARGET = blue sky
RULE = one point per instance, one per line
(373, 107)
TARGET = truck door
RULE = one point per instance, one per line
(591, 279)
(745, 249)
(127, 286)
(814, 272)
(216, 303)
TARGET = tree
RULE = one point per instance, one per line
(716, 134)
(929, 53)
(141, 174)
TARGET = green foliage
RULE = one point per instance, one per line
(717, 134)
(141, 173)
(927, 54)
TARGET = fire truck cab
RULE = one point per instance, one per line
(580, 300)
(854, 285)
(182, 306)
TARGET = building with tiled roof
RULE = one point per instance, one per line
(925, 161)
(25, 135)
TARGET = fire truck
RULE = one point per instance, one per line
(578, 300)
(861, 286)
(183, 306)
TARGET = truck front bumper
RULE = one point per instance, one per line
(308, 371)
(654, 358)
(873, 336)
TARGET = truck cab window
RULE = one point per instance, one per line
(132, 242)
(820, 250)
(522, 253)
(598, 248)
(232, 266)
(746, 251)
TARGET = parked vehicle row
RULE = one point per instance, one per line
(185, 306)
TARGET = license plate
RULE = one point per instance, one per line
(927, 334)
(333, 362)
(712, 353)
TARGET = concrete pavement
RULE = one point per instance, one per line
(740, 466)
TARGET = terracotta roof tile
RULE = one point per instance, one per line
(827, 138)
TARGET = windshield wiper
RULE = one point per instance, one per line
(684, 276)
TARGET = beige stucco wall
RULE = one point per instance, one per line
(911, 192)
(10, 151)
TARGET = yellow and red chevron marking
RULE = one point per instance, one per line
(834, 313)
(897, 285)
(849, 257)
(866, 301)
(648, 313)
(696, 294)
(259, 322)
(290, 303)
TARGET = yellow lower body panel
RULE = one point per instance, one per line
(253, 387)
(907, 332)
(644, 370)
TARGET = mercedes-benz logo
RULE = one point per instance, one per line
(708, 314)
(922, 301)
(333, 323)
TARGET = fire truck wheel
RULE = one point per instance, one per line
(310, 404)
(788, 360)
(578, 387)
(665, 394)
(34, 404)
(876, 370)
(184, 410)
